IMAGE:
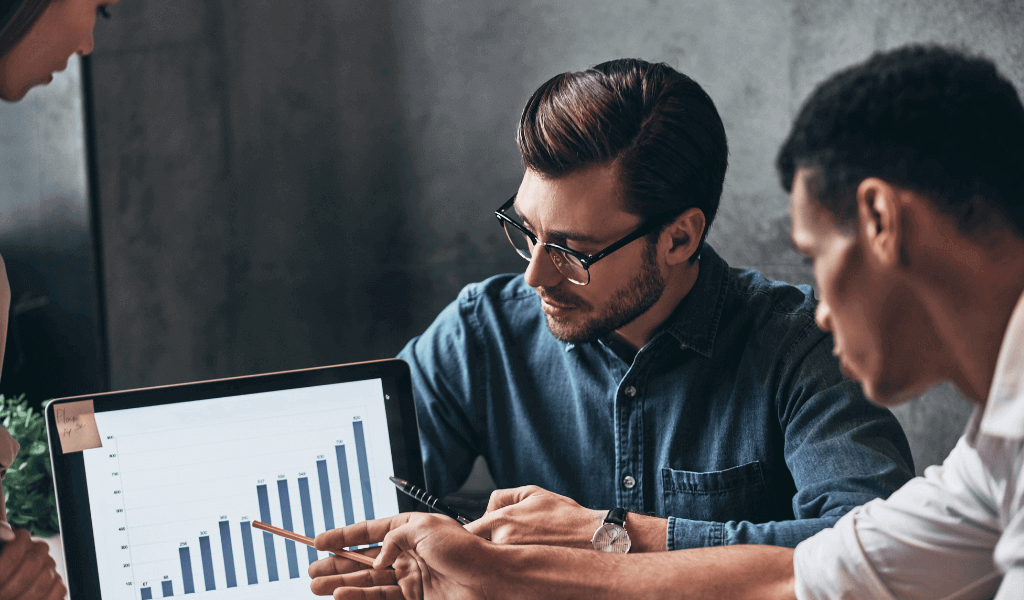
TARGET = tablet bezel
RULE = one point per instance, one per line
(73, 510)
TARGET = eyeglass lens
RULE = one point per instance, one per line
(568, 265)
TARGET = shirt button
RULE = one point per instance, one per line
(628, 482)
(630, 391)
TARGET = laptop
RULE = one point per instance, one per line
(157, 487)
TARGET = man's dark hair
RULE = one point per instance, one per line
(655, 124)
(930, 119)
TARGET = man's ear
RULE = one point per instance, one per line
(681, 238)
(878, 220)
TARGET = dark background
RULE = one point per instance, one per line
(289, 184)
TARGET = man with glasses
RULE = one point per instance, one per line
(907, 193)
(630, 368)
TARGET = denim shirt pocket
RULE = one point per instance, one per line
(735, 494)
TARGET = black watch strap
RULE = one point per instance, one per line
(616, 516)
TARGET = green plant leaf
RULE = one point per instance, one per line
(28, 485)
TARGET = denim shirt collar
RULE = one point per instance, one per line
(694, 323)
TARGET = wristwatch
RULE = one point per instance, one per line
(611, 536)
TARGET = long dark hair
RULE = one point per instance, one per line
(16, 18)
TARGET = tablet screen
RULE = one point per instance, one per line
(174, 489)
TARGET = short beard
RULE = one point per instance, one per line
(626, 305)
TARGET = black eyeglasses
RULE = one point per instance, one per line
(573, 265)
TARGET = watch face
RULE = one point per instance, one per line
(611, 538)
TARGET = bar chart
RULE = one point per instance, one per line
(177, 502)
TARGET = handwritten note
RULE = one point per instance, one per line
(76, 426)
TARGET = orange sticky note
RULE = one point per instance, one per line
(76, 426)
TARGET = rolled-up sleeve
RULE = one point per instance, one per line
(933, 538)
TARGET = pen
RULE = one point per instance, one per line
(421, 495)
(366, 560)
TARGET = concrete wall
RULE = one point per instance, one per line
(295, 184)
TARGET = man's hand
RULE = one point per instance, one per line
(432, 556)
(330, 573)
(532, 515)
(27, 572)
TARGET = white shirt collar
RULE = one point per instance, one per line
(1004, 410)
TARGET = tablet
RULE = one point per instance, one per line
(160, 501)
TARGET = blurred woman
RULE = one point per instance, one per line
(37, 38)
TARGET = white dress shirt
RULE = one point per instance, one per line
(956, 533)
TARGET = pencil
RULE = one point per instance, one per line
(366, 560)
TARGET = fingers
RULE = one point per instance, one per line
(48, 585)
(58, 591)
(359, 534)
(27, 570)
(16, 573)
(485, 526)
(392, 592)
(366, 583)
(337, 565)
(367, 578)
(502, 498)
(418, 526)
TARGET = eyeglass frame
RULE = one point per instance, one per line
(587, 260)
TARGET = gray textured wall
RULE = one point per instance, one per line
(295, 184)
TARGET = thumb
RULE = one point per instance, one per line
(395, 543)
(502, 498)
(482, 526)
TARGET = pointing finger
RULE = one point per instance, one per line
(337, 565)
(359, 534)
(367, 578)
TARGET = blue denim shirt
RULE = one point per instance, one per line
(734, 420)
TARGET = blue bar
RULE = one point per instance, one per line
(268, 538)
(186, 569)
(325, 494)
(307, 516)
(364, 470)
(229, 556)
(346, 493)
(207, 554)
(147, 594)
(286, 522)
(250, 556)
(168, 588)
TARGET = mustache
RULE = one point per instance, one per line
(561, 297)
